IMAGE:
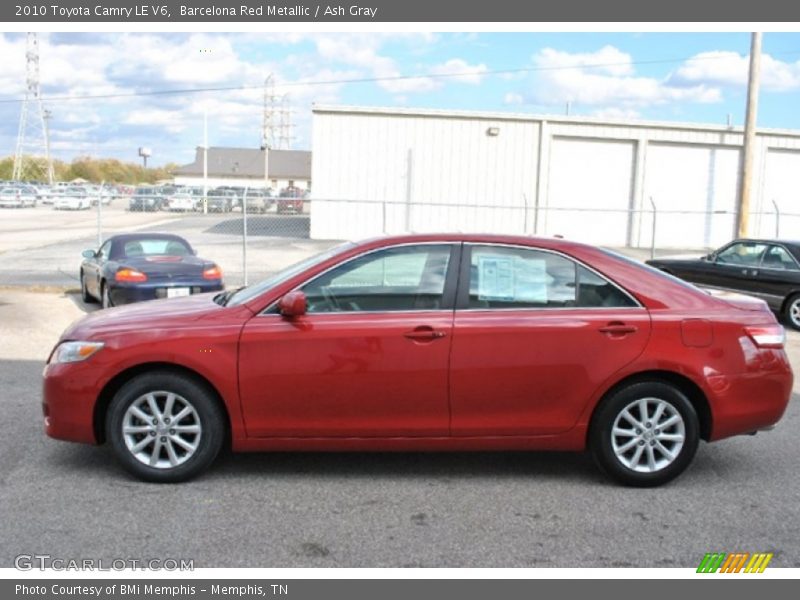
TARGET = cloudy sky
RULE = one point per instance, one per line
(692, 77)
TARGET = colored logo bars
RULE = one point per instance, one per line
(734, 563)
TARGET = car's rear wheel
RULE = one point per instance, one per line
(165, 427)
(791, 311)
(645, 434)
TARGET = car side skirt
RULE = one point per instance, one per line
(573, 440)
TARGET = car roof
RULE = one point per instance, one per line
(127, 237)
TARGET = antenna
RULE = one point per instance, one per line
(32, 161)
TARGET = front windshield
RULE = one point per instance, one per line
(248, 293)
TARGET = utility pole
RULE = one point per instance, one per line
(743, 217)
(32, 161)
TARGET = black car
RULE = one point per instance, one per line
(767, 269)
(145, 266)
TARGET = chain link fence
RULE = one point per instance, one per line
(255, 235)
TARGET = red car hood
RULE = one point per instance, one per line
(153, 314)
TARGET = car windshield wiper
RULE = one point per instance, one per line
(223, 298)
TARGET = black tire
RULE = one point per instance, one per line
(105, 297)
(608, 450)
(85, 295)
(791, 312)
(188, 392)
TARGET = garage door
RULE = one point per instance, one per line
(589, 190)
(782, 185)
(694, 189)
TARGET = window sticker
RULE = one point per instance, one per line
(531, 280)
(511, 279)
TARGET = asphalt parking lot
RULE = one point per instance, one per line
(42, 246)
(374, 510)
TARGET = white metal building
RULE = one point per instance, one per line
(389, 170)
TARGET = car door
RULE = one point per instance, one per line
(735, 266)
(535, 335)
(93, 269)
(776, 277)
(368, 359)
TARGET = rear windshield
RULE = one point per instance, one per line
(155, 247)
(651, 269)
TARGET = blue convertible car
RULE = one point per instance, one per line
(145, 266)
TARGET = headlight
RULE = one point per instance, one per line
(68, 352)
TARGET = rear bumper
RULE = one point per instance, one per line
(751, 401)
(129, 293)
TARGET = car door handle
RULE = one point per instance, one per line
(424, 333)
(617, 328)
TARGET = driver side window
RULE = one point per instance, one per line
(394, 279)
(742, 253)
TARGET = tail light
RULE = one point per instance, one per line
(767, 336)
(130, 276)
(212, 273)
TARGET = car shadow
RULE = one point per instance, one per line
(87, 307)
(563, 467)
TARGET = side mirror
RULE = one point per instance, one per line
(711, 257)
(293, 304)
(88, 254)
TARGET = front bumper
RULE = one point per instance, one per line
(69, 394)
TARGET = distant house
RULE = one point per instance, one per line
(244, 167)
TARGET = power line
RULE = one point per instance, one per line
(246, 87)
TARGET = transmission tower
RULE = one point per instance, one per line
(286, 126)
(269, 134)
(277, 127)
(32, 161)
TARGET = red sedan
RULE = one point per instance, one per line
(426, 342)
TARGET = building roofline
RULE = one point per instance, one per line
(532, 117)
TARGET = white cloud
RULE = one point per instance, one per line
(616, 113)
(608, 60)
(461, 71)
(513, 98)
(171, 121)
(606, 79)
(730, 69)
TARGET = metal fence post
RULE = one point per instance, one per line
(653, 235)
(777, 219)
(244, 234)
(100, 215)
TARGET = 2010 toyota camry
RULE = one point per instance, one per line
(426, 342)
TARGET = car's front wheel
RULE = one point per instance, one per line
(165, 427)
(85, 295)
(645, 434)
(791, 311)
(105, 296)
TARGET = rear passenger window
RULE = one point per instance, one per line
(503, 277)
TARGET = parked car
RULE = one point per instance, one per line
(133, 267)
(18, 196)
(145, 198)
(221, 200)
(183, 202)
(425, 342)
(290, 201)
(258, 201)
(72, 199)
(767, 269)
